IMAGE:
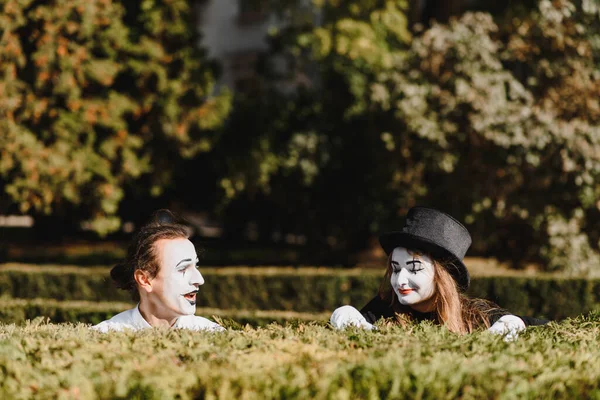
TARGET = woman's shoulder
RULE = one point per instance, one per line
(377, 308)
(494, 312)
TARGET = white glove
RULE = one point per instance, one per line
(509, 326)
(346, 316)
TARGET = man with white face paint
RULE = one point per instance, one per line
(161, 272)
(426, 279)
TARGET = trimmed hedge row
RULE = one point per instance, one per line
(310, 289)
(18, 311)
(552, 298)
(307, 361)
(303, 290)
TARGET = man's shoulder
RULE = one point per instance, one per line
(123, 320)
(195, 322)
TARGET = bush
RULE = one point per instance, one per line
(303, 290)
(20, 310)
(498, 124)
(97, 95)
(59, 283)
(558, 361)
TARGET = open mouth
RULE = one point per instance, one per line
(191, 297)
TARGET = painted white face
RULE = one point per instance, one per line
(176, 284)
(412, 276)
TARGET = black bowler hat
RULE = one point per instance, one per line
(435, 233)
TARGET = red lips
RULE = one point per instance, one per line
(405, 291)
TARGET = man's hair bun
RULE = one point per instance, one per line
(122, 276)
(164, 217)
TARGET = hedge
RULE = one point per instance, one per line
(303, 290)
(18, 311)
(558, 361)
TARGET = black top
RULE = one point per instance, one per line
(377, 308)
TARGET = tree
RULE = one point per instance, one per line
(97, 96)
(484, 121)
(314, 159)
(556, 52)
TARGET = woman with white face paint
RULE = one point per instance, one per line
(425, 280)
(161, 272)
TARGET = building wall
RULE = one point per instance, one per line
(233, 37)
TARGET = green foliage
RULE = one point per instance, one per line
(553, 298)
(497, 124)
(423, 361)
(18, 311)
(558, 49)
(60, 283)
(316, 154)
(96, 95)
(312, 290)
(522, 160)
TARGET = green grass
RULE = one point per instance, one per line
(299, 362)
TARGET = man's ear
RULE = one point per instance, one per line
(143, 280)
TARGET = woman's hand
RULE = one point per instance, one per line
(509, 326)
(346, 316)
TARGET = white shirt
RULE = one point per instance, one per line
(132, 319)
